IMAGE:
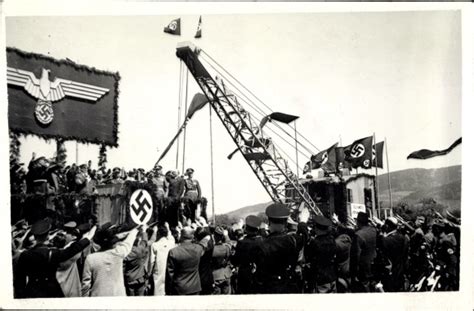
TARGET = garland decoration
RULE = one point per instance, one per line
(61, 154)
(14, 149)
(102, 156)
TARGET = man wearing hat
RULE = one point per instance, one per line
(68, 273)
(221, 270)
(40, 263)
(103, 270)
(277, 255)
(244, 256)
(159, 180)
(394, 246)
(321, 255)
(363, 253)
(175, 193)
(192, 194)
(116, 176)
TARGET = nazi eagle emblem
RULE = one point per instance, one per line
(48, 92)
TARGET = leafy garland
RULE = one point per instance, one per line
(14, 149)
(102, 156)
(61, 153)
(91, 70)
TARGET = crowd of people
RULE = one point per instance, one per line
(318, 255)
(180, 253)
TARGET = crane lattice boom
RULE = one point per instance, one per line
(266, 162)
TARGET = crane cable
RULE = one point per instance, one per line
(179, 108)
(258, 99)
(248, 101)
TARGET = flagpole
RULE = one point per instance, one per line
(296, 149)
(179, 109)
(212, 166)
(377, 207)
(389, 181)
(77, 153)
(185, 113)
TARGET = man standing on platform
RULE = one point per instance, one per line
(192, 194)
(175, 192)
(159, 180)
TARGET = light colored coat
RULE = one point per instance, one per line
(103, 271)
(159, 255)
(68, 277)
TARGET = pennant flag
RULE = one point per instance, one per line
(360, 153)
(341, 162)
(198, 31)
(325, 159)
(174, 27)
(377, 155)
(198, 102)
(426, 154)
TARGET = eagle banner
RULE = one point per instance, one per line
(54, 99)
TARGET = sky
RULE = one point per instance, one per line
(347, 75)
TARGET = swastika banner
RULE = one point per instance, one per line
(61, 99)
(141, 207)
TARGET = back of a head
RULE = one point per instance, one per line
(362, 219)
(187, 233)
(162, 231)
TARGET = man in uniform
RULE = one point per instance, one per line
(159, 180)
(40, 263)
(363, 252)
(175, 192)
(116, 178)
(277, 255)
(192, 194)
(394, 246)
(321, 255)
(244, 256)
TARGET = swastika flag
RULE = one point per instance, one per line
(198, 31)
(174, 27)
(377, 155)
(360, 153)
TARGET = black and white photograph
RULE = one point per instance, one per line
(248, 154)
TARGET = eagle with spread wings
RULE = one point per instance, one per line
(52, 91)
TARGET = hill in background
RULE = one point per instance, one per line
(413, 185)
(409, 186)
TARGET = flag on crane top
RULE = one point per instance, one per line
(198, 31)
(325, 159)
(377, 155)
(360, 153)
(426, 154)
(174, 27)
